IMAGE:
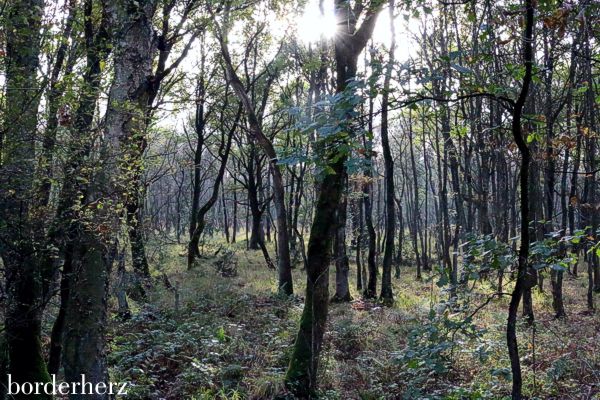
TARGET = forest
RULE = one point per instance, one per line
(306, 199)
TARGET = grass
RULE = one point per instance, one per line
(230, 338)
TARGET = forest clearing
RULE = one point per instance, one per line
(229, 338)
(308, 199)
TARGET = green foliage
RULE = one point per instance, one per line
(231, 375)
(231, 339)
(462, 69)
(351, 338)
(560, 368)
(553, 252)
(485, 253)
(430, 346)
(335, 127)
(221, 335)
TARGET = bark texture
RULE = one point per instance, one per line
(301, 376)
(22, 25)
(95, 249)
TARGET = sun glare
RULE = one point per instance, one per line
(313, 24)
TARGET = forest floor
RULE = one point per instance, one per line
(230, 338)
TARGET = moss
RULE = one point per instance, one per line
(298, 375)
(31, 368)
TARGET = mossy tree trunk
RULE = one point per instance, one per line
(63, 233)
(162, 45)
(342, 264)
(22, 26)
(85, 316)
(94, 244)
(301, 376)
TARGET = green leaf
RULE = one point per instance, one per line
(461, 69)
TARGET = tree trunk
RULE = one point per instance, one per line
(62, 233)
(223, 152)
(56, 337)
(358, 228)
(301, 376)
(225, 216)
(199, 125)
(22, 26)
(256, 232)
(390, 208)
(522, 267)
(139, 261)
(342, 265)
(84, 332)
(284, 266)
(371, 284)
(415, 209)
(556, 278)
(234, 228)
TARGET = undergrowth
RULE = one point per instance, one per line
(229, 337)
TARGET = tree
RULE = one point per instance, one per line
(223, 153)
(390, 216)
(283, 261)
(163, 43)
(64, 226)
(94, 248)
(524, 280)
(17, 212)
(350, 40)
